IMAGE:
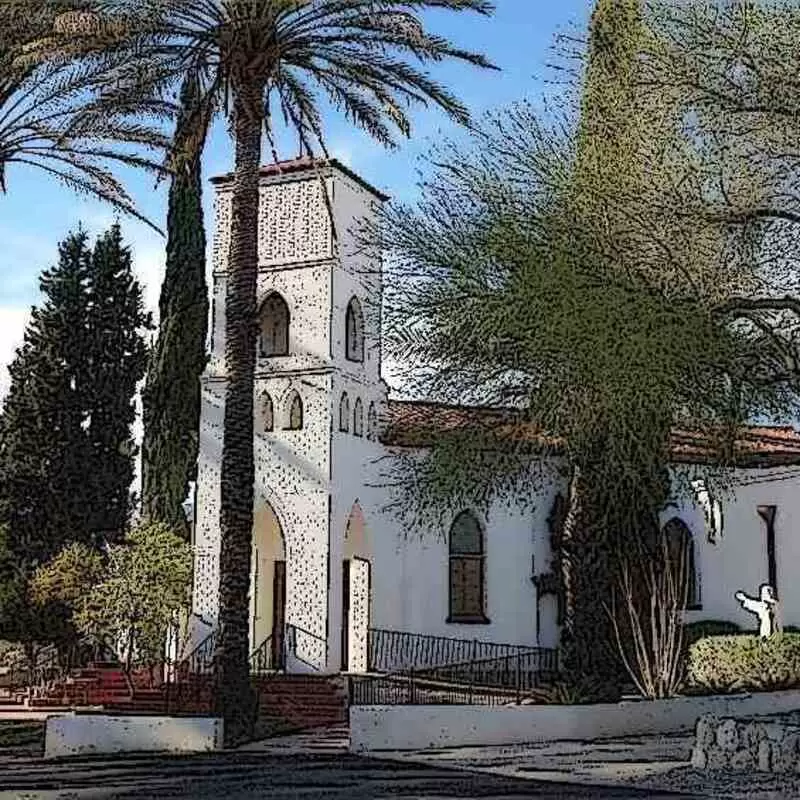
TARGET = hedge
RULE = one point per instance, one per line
(694, 631)
(744, 663)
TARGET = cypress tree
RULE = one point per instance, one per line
(41, 476)
(116, 359)
(171, 397)
(41, 438)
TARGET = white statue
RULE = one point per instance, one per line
(766, 608)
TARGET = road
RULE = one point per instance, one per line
(233, 775)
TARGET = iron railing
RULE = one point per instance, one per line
(309, 648)
(500, 680)
(399, 651)
(262, 658)
(189, 683)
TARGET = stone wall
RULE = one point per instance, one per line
(762, 744)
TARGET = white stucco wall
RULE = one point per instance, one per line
(97, 734)
(737, 559)
(314, 478)
(411, 569)
(435, 726)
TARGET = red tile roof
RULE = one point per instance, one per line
(421, 424)
(305, 164)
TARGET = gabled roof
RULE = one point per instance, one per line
(414, 424)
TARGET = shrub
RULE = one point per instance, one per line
(694, 631)
(744, 663)
(581, 691)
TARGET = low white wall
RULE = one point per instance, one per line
(434, 726)
(102, 733)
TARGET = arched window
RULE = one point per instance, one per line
(372, 422)
(354, 348)
(273, 321)
(344, 413)
(680, 547)
(266, 418)
(295, 412)
(358, 418)
(467, 570)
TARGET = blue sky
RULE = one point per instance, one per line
(37, 213)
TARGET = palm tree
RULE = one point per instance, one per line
(51, 118)
(257, 57)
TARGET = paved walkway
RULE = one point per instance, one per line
(326, 740)
(649, 763)
(603, 763)
(235, 775)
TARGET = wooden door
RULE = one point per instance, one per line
(278, 613)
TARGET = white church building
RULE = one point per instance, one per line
(332, 568)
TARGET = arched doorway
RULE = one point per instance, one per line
(268, 584)
(356, 594)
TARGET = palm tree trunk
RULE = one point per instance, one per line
(587, 649)
(238, 469)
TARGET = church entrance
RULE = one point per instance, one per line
(268, 588)
(356, 595)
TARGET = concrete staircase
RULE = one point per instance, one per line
(302, 702)
(99, 684)
(286, 703)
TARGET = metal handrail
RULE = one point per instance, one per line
(526, 651)
(291, 631)
(261, 657)
(308, 633)
(424, 651)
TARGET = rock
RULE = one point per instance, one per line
(716, 758)
(742, 760)
(784, 754)
(764, 756)
(728, 736)
(705, 731)
(774, 731)
(751, 736)
(699, 758)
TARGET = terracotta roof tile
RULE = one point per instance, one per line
(419, 424)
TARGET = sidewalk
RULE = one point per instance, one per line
(609, 762)
(324, 740)
(655, 763)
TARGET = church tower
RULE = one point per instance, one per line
(318, 396)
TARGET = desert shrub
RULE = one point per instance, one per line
(578, 691)
(744, 663)
(694, 631)
(11, 654)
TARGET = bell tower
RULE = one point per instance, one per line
(317, 383)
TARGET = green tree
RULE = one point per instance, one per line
(128, 598)
(506, 285)
(41, 436)
(66, 455)
(115, 359)
(171, 396)
(256, 58)
(68, 576)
